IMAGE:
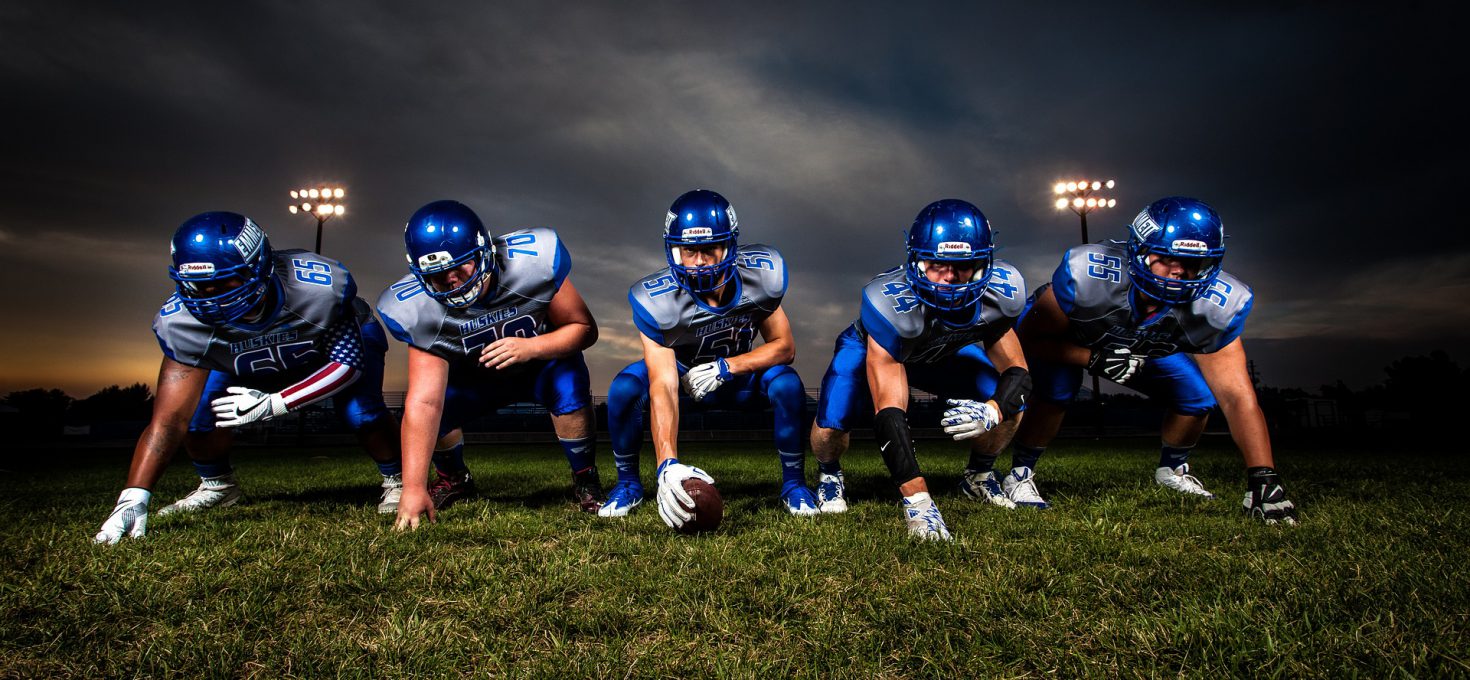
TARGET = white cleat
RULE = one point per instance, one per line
(923, 518)
(1020, 487)
(1180, 480)
(392, 492)
(213, 492)
(983, 486)
(831, 493)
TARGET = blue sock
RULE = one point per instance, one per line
(390, 469)
(832, 468)
(982, 462)
(627, 464)
(793, 467)
(581, 453)
(1174, 456)
(1025, 456)
(218, 467)
(451, 459)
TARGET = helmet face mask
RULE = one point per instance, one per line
(445, 235)
(222, 266)
(957, 234)
(701, 219)
(1176, 228)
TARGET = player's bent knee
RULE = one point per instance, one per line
(625, 392)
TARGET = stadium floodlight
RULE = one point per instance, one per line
(1080, 197)
(330, 206)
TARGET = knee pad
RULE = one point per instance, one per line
(891, 425)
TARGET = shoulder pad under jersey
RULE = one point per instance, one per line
(1218, 317)
(533, 263)
(409, 315)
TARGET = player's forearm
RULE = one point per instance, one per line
(1248, 429)
(420, 423)
(778, 353)
(663, 412)
(889, 385)
(565, 341)
(325, 382)
(153, 452)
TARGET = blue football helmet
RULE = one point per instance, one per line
(1177, 227)
(441, 236)
(222, 266)
(698, 218)
(955, 231)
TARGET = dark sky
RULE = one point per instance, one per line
(1321, 133)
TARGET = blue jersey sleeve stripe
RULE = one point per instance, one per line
(164, 346)
(785, 277)
(1237, 324)
(1063, 285)
(645, 322)
(880, 330)
(398, 331)
(561, 265)
(349, 291)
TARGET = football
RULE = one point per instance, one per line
(708, 508)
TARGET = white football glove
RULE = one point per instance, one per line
(243, 405)
(129, 517)
(671, 493)
(703, 379)
(966, 419)
(1117, 364)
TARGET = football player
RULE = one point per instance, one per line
(488, 322)
(1157, 314)
(698, 320)
(942, 323)
(251, 334)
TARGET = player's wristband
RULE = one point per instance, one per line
(725, 374)
(666, 463)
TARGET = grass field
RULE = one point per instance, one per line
(1120, 578)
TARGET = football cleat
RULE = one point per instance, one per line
(983, 486)
(587, 490)
(451, 488)
(1266, 500)
(1180, 480)
(923, 518)
(213, 492)
(624, 497)
(1020, 487)
(831, 493)
(800, 501)
(392, 491)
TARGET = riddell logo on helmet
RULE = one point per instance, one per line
(1190, 244)
(196, 269)
(953, 248)
(697, 232)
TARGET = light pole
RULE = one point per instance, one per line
(322, 203)
(1081, 198)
